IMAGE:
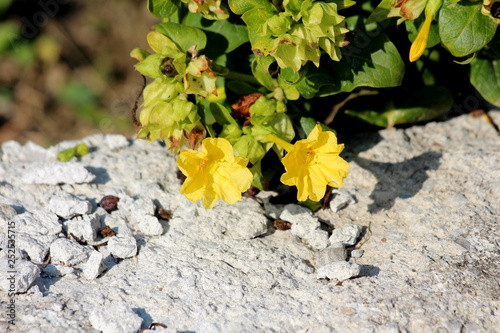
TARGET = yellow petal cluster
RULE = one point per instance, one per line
(214, 173)
(313, 163)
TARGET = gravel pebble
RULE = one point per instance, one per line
(68, 252)
(67, 205)
(94, 266)
(123, 245)
(115, 319)
(301, 218)
(317, 239)
(338, 270)
(334, 252)
(357, 253)
(85, 227)
(149, 225)
(38, 222)
(347, 234)
(17, 278)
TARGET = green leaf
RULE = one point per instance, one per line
(241, 6)
(260, 70)
(485, 77)
(247, 146)
(183, 36)
(366, 62)
(309, 82)
(307, 124)
(223, 36)
(163, 8)
(426, 104)
(462, 27)
(151, 66)
(221, 114)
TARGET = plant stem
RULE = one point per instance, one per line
(240, 77)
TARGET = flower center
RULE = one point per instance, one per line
(309, 156)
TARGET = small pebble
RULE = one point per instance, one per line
(338, 270)
(346, 235)
(85, 228)
(357, 253)
(115, 319)
(301, 219)
(317, 239)
(38, 222)
(149, 225)
(94, 266)
(19, 277)
(123, 246)
(36, 246)
(334, 252)
(67, 205)
(68, 252)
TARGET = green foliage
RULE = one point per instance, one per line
(245, 69)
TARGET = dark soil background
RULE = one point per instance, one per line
(65, 69)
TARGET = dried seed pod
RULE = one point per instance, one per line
(109, 203)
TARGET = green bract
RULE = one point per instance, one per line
(298, 34)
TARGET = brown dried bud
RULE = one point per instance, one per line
(107, 232)
(282, 224)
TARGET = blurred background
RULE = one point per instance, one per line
(65, 69)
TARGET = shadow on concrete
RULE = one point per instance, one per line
(398, 180)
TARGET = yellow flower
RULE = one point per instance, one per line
(214, 173)
(313, 163)
(420, 43)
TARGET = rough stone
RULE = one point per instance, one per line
(57, 270)
(357, 253)
(55, 173)
(67, 205)
(334, 252)
(123, 245)
(341, 199)
(347, 234)
(17, 278)
(317, 239)
(116, 141)
(85, 227)
(115, 319)
(301, 218)
(37, 222)
(36, 246)
(68, 252)
(12, 152)
(149, 225)
(94, 266)
(338, 270)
